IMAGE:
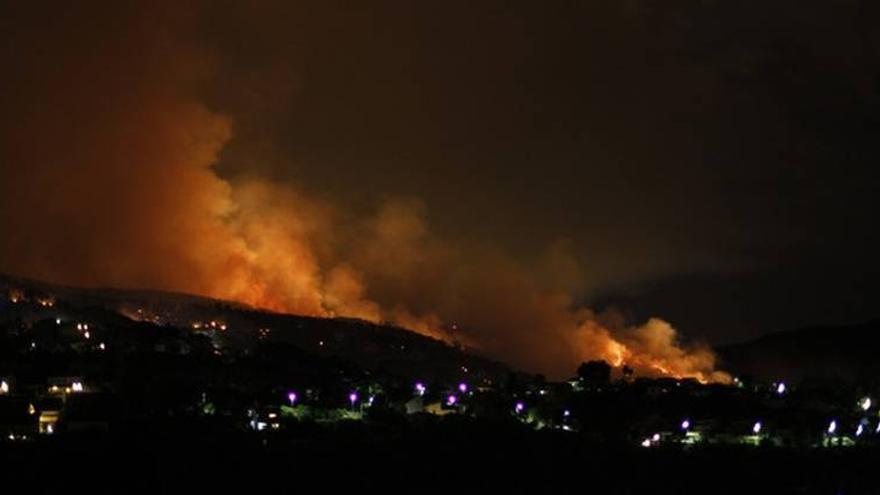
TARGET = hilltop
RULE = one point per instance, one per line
(374, 347)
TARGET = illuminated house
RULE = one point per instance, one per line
(50, 412)
(66, 385)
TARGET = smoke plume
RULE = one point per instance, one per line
(108, 178)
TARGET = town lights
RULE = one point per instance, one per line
(646, 443)
(780, 389)
(353, 397)
(832, 427)
(686, 424)
(520, 407)
(451, 400)
(291, 397)
(860, 430)
(4, 387)
(566, 413)
(865, 404)
(655, 438)
(756, 429)
(76, 386)
(420, 389)
(462, 387)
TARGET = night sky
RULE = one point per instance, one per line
(709, 162)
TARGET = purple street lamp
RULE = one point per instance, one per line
(352, 397)
(451, 400)
(462, 387)
(420, 388)
(291, 397)
(519, 407)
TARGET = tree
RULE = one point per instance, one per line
(595, 373)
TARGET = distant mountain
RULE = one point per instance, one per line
(846, 352)
(377, 347)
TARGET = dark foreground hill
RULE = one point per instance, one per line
(847, 353)
(378, 347)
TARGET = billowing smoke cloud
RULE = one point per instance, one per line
(107, 179)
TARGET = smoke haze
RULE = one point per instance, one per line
(132, 156)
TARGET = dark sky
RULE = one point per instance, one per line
(711, 162)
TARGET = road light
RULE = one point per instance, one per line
(756, 429)
(520, 407)
(4, 387)
(866, 404)
(421, 389)
(352, 397)
(451, 400)
(780, 389)
(291, 397)
(832, 427)
(462, 387)
(686, 424)
(860, 430)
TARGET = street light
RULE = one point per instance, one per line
(520, 407)
(686, 424)
(756, 429)
(352, 397)
(462, 387)
(421, 389)
(291, 397)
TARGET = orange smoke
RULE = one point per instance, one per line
(108, 179)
